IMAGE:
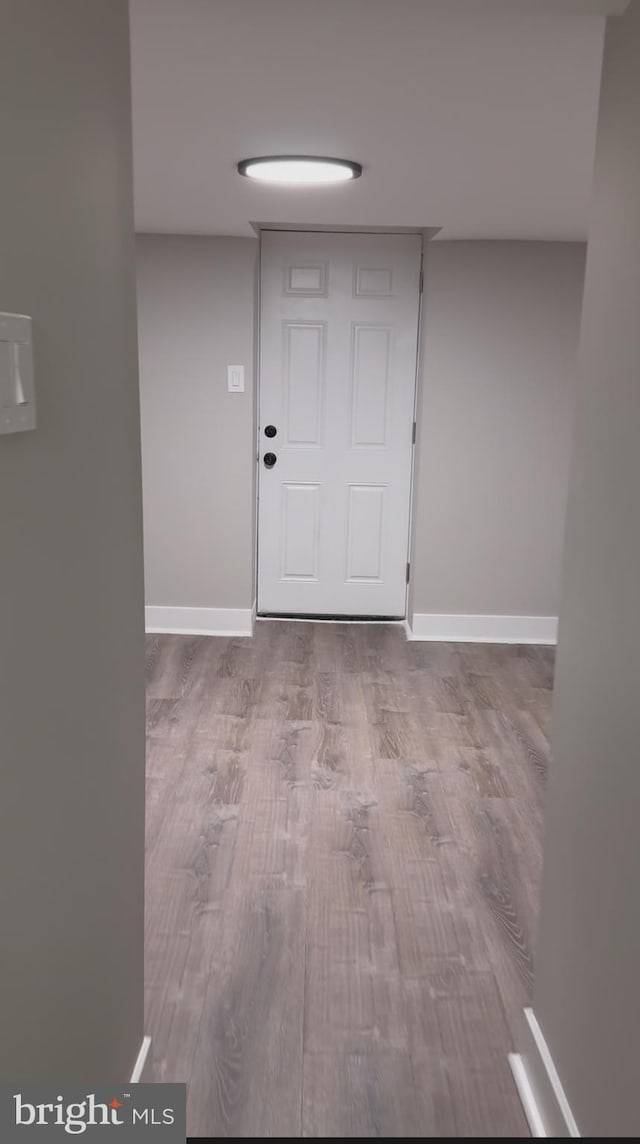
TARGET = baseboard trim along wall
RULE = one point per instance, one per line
(483, 629)
(141, 1061)
(199, 621)
(543, 1098)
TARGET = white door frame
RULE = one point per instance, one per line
(425, 235)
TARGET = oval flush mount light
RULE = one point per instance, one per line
(299, 169)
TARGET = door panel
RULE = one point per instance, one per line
(370, 385)
(299, 529)
(365, 532)
(304, 380)
(338, 337)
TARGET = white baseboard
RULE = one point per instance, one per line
(200, 621)
(543, 1098)
(531, 1110)
(141, 1060)
(483, 629)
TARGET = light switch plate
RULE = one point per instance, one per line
(235, 378)
(17, 392)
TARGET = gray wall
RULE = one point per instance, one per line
(71, 619)
(586, 992)
(196, 316)
(499, 351)
(499, 348)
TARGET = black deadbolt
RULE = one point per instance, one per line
(270, 460)
(270, 431)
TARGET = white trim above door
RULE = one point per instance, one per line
(338, 345)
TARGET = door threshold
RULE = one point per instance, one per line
(304, 617)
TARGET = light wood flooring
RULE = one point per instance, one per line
(343, 855)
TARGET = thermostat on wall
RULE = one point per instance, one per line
(17, 393)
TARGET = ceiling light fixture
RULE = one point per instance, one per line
(299, 169)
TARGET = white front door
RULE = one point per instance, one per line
(338, 338)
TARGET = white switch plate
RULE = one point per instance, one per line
(17, 393)
(235, 378)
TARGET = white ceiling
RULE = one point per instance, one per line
(477, 116)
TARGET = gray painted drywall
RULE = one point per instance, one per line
(196, 316)
(586, 994)
(499, 349)
(71, 617)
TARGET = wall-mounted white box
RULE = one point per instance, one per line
(17, 392)
(235, 378)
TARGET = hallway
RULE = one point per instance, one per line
(343, 855)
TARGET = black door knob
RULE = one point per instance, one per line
(270, 431)
(270, 460)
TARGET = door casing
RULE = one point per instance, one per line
(425, 234)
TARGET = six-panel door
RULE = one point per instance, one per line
(338, 338)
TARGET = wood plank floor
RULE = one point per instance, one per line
(343, 855)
